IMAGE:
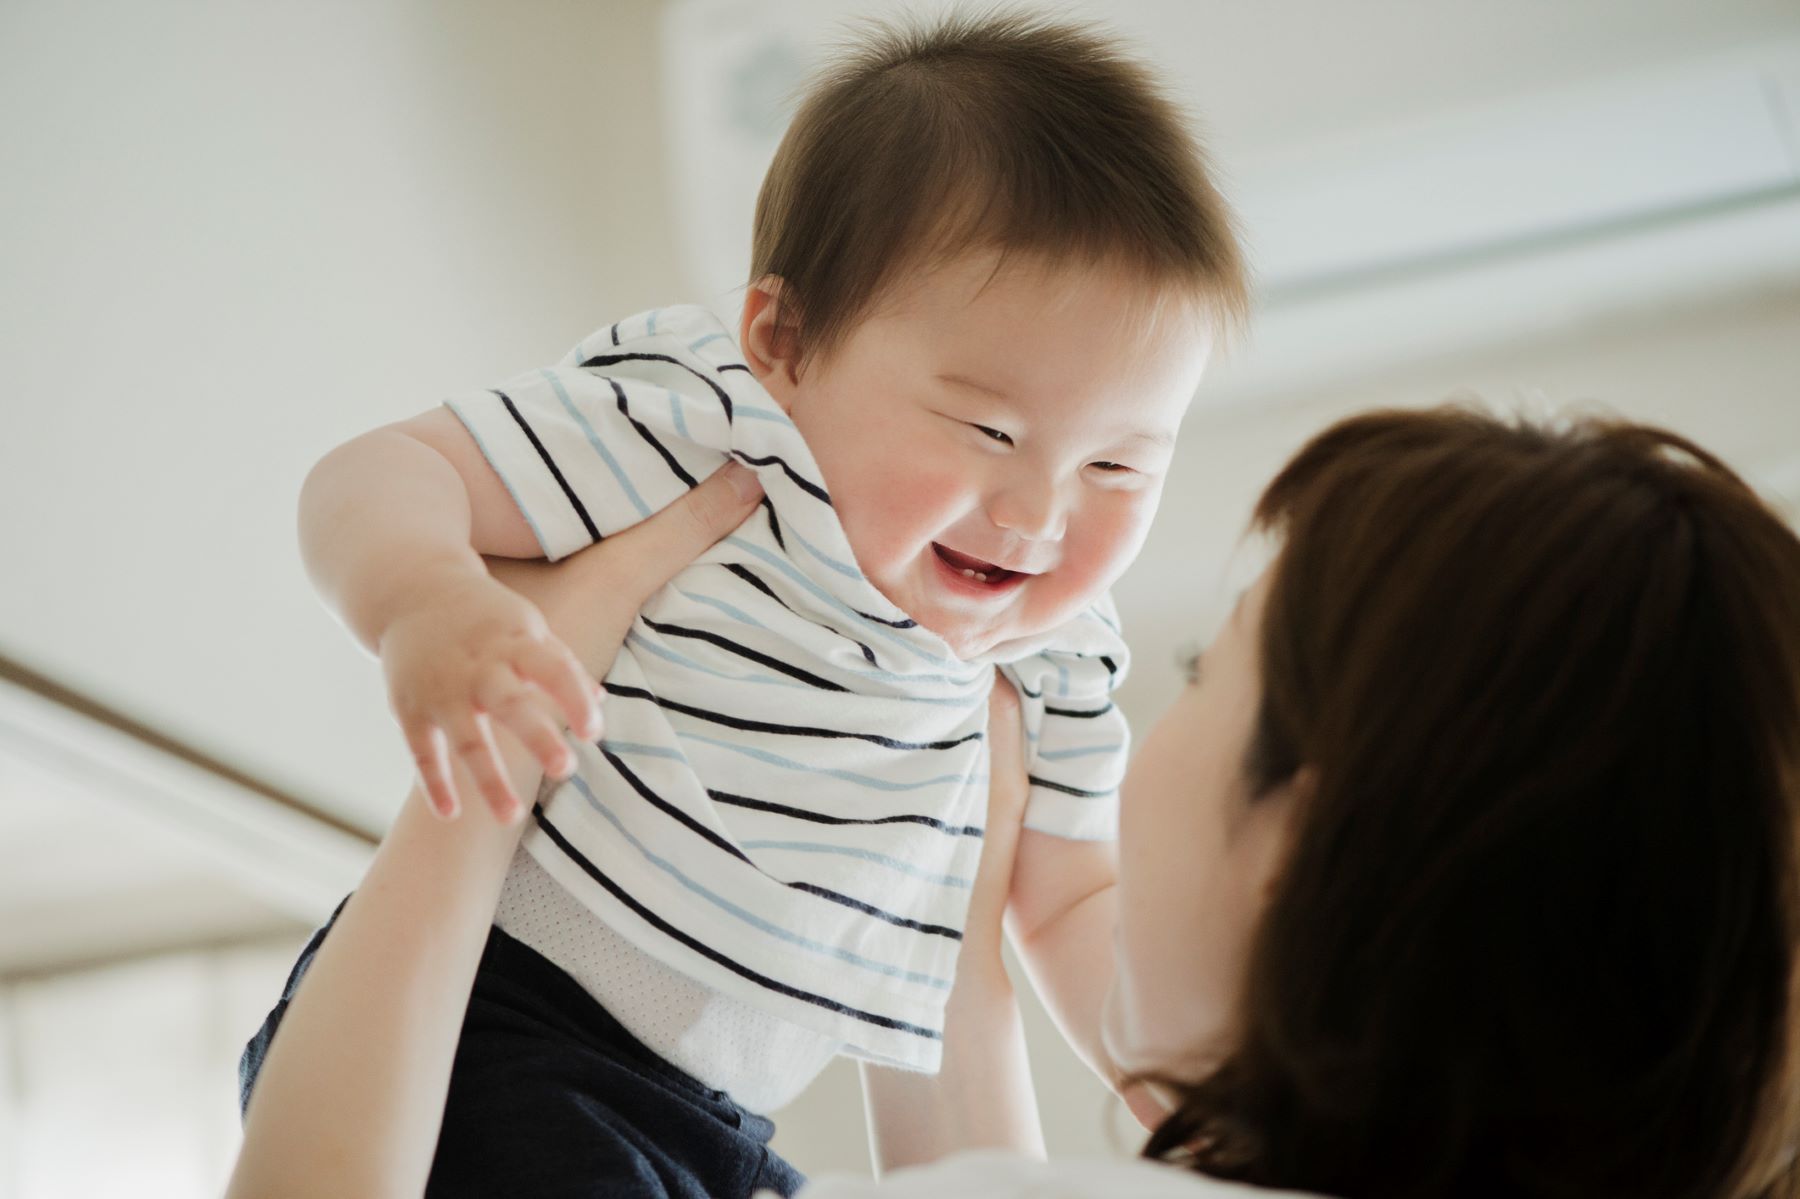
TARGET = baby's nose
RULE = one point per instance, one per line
(1031, 512)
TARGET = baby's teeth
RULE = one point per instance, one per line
(974, 574)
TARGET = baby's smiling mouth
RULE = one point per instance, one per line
(976, 569)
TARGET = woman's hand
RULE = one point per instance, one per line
(591, 598)
(351, 1094)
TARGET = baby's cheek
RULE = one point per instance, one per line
(892, 509)
(1105, 542)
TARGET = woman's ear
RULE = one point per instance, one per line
(1277, 812)
(1263, 830)
(769, 340)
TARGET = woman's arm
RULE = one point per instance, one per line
(351, 1096)
(981, 1097)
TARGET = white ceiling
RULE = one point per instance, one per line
(239, 236)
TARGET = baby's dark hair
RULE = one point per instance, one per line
(999, 131)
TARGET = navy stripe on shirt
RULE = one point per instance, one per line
(644, 432)
(755, 580)
(1035, 781)
(742, 971)
(610, 359)
(1077, 713)
(918, 926)
(549, 463)
(800, 481)
(743, 651)
(645, 790)
(790, 730)
(764, 805)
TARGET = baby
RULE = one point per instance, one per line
(988, 268)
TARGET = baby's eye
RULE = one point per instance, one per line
(1112, 468)
(996, 434)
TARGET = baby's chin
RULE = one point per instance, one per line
(969, 646)
(966, 638)
(968, 635)
(969, 640)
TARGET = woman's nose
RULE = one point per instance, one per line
(1030, 509)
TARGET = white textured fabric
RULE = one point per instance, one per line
(990, 1174)
(762, 1061)
(787, 804)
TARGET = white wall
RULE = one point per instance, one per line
(233, 235)
(121, 1080)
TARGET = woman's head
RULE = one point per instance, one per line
(1501, 818)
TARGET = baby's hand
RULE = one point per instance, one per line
(473, 652)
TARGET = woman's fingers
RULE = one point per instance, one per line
(649, 554)
(590, 598)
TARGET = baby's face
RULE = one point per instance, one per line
(995, 445)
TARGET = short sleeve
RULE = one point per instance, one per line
(1077, 739)
(577, 460)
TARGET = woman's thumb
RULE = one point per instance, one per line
(649, 554)
(721, 502)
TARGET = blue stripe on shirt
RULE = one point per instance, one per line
(942, 880)
(599, 447)
(762, 755)
(754, 921)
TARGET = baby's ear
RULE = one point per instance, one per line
(769, 339)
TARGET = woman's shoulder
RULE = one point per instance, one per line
(991, 1174)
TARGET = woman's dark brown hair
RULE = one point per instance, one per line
(1536, 932)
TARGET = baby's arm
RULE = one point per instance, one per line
(981, 1096)
(385, 514)
(1060, 918)
(1063, 907)
(393, 525)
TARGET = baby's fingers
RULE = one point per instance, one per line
(427, 745)
(528, 714)
(472, 740)
(556, 669)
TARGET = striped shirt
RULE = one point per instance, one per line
(787, 802)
